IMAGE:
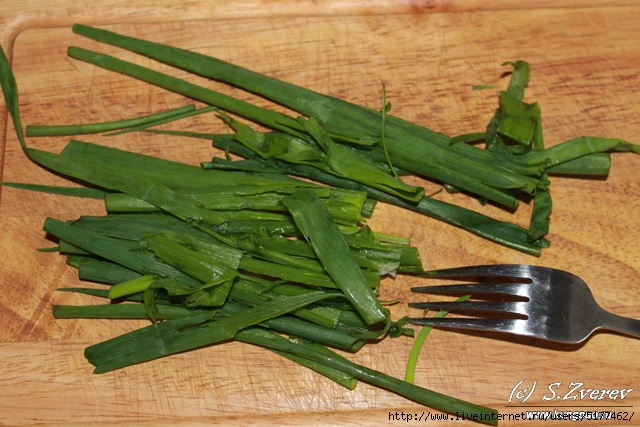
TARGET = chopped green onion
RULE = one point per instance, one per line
(333, 251)
(180, 334)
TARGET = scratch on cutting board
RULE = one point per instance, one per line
(35, 318)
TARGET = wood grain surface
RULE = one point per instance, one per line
(585, 63)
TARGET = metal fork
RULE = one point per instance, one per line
(551, 304)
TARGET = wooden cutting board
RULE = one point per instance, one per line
(585, 62)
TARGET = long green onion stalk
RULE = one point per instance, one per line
(83, 129)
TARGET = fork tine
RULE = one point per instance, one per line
(500, 306)
(519, 289)
(483, 272)
(501, 325)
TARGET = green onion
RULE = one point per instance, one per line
(502, 232)
(241, 250)
(422, 154)
(576, 148)
(379, 379)
(180, 334)
(133, 286)
(92, 269)
(83, 129)
(495, 174)
(125, 253)
(149, 124)
(117, 311)
(333, 251)
(112, 178)
(90, 193)
(346, 380)
(200, 284)
(596, 164)
(418, 343)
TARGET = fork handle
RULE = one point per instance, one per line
(626, 325)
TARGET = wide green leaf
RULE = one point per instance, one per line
(334, 254)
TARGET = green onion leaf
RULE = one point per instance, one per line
(176, 335)
(83, 129)
(333, 251)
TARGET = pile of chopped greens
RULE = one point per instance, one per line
(252, 250)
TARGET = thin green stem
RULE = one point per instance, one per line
(84, 129)
(418, 343)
